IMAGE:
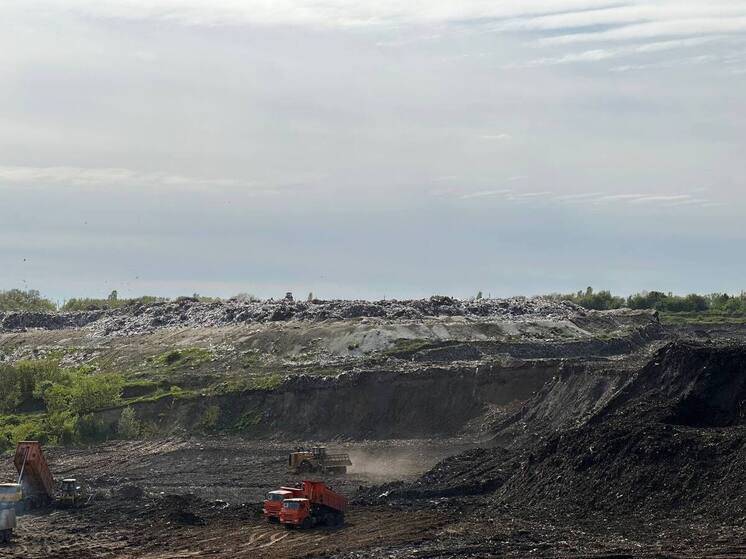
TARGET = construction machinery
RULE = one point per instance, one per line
(70, 493)
(274, 500)
(318, 504)
(34, 475)
(318, 460)
(10, 495)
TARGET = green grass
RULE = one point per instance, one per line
(182, 358)
(405, 347)
(269, 382)
(695, 318)
(248, 421)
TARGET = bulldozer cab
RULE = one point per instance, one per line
(69, 486)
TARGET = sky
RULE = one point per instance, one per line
(372, 149)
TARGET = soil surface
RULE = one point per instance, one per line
(484, 429)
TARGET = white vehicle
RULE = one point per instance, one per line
(10, 494)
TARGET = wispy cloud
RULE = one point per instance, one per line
(597, 198)
(318, 12)
(596, 55)
(103, 178)
(484, 194)
(649, 199)
(499, 137)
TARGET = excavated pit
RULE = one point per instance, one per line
(472, 435)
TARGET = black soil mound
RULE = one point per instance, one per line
(670, 440)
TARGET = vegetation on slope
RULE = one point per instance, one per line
(43, 401)
(715, 304)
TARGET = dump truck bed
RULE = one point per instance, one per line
(35, 477)
(319, 494)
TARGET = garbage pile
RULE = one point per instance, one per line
(189, 312)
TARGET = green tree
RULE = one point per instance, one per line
(29, 300)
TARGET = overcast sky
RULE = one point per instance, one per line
(372, 148)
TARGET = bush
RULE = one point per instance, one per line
(62, 428)
(659, 301)
(85, 394)
(68, 396)
(128, 427)
(24, 382)
(30, 300)
(599, 301)
(210, 418)
(111, 302)
(91, 429)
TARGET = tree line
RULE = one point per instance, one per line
(31, 300)
(722, 303)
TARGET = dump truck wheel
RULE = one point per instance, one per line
(305, 467)
(306, 524)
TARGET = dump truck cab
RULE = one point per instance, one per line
(10, 495)
(273, 503)
(296, 512)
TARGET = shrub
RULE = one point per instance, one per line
(91, 429)
(128, 427)
(24, 382)
(85, 394)
(61, 428)
(210, 418)
(29, 300)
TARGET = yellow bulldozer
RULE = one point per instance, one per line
(318, 460)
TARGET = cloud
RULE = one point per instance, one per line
(649, 199)
(485, 193)
(596, 55)
(663, 24)
(650, 30)
(633, 13)
(501, 137)
(102, 178)
(328, 13)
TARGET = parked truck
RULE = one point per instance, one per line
(273, 502)
(10, 496)
(318, 460)
(318, 504)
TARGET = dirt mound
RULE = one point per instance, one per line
(667, 439)
(188, 312)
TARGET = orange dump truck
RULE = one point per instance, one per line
(318, 505)
(34, 475)
(273, 503)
